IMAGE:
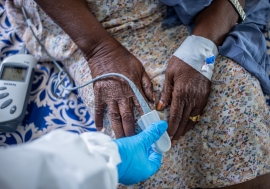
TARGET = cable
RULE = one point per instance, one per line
(62, 75)
(136, 91)
(61, 71)
(162, 145)
(29, 23)
(22, 50)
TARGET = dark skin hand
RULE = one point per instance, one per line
(104, 55)
(189, 91)
(185, 88)
(188, 88)
(115, 92)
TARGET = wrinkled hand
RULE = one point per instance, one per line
(114, 92)
(188, 90)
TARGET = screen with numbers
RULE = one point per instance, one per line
(13, 73)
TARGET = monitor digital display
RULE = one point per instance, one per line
(13, 73)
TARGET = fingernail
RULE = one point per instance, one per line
(174, 142)
(159, 105)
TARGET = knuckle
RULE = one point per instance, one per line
(127, 117)
(99, 106)
(115, 116)
(147, 84)
(119, 134)
(125, 88)
(177, 103)
(98, 111)
(123, 102)
(175, 117)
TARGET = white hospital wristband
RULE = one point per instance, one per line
(195, 50)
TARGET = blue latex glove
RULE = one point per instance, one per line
(139, 160)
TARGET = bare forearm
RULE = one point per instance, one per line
(75, 18)
(215, 21)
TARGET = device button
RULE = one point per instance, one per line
(6, 103)
(3, 95)
(13, 109)
(3, 88)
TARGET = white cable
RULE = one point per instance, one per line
(162, 145)
(136, 91)
(62, 75)
(29, 24)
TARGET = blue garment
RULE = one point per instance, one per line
(244, 44)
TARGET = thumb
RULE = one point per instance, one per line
(151, 134)
(166, 94)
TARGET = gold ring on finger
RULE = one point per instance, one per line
(195, 118)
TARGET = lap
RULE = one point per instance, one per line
(231, 142)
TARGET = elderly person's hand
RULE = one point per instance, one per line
(187, 90)
(114, 92)
(104, 55)
(187, 87)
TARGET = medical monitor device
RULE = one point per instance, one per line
(16, 78)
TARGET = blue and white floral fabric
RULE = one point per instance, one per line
(44, 112)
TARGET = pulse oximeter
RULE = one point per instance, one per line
(16, 78)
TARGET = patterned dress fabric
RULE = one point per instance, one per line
(44, 112)
(230, 144)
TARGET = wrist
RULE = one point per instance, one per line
(78, 22)
(98, 47)
(199, 53)
(216, 21)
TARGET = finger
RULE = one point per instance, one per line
(176, 113)
(190, 125)
(115, 119)
(147, 86)
(137, 105)
(155, 160)
(183, 123)
(166, 93)
(99, 110)
(126, 112)
(152, 133)
(140, 104)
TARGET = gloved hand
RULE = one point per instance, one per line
(139, 160)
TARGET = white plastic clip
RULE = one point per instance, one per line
(164, 143)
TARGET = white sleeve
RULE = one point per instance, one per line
(61, 160)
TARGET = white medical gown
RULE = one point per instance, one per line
(61, 160)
